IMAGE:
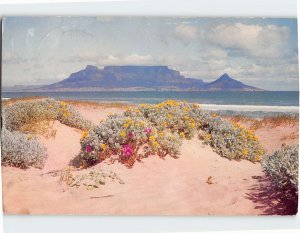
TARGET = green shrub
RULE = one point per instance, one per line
(126, 139)
(229, 140)
(21, 150)
(282, 167)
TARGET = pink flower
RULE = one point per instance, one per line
(131, 135)
(127, 150)
(88, 148)
(147, 130)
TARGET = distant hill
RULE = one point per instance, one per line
(132, 78)
(227, 83)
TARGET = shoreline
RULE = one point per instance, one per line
(204, 106)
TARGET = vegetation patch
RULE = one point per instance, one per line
(23, 119)
(89, 179)
(230, 140)
(282, 167)
(21, 150)
(127, 140)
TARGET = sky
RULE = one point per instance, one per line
(262, 52)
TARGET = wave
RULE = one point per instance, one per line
(249, 108)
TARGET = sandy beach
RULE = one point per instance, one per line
(199, 182)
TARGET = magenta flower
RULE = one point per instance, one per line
(147, 130)
(131, 135)
(88, 148)
(127, 150)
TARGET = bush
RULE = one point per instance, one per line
(282, 167)
(179, 117)
(21, 150)
(126, 139)
(24, 112)
(229, 140)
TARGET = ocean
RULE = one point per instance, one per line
(257, 104)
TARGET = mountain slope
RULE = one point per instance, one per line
(227, 83)
(127, 77)
(116, 78)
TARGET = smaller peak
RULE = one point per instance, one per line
(225, 76)
(91, 67)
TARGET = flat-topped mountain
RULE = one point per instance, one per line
(116, 78)
(112, 77)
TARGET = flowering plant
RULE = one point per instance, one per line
(126, 139)
(229, 140)
(179, 117)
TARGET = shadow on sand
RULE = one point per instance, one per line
(271, 200)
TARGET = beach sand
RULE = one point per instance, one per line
(199, 182)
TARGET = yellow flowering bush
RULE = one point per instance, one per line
(232, 141)
(179, 117)
(126, 139)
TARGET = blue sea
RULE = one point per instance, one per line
(247, 103)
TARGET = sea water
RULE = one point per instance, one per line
(248, 103)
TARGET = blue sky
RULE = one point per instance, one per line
(258, 51)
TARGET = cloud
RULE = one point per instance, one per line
(133, 59)
(255, 40)
(186, 32)
(11, 58)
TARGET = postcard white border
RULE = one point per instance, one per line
(201, 8)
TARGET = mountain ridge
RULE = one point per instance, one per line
(134, 78)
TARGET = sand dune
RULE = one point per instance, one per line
(200, 182)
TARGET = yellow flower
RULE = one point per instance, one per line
(143, 123)
(126, 125)
(62, 103)
(51, 106)
(123, 134)
(103, 146)
(155, 144)
(245, 152)
(170, 102)
(128, 109)
(257, 157)
(181, 134)
(214, 115)
(161, 134)
(152, 138)
(29, 138)
(261, 151)
(186, 117)
(192, 125)
(207, 137)
(169, 116)
(84, 134)
(187, 109)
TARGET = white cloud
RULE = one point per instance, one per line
(186, 32)
(256, 40)
(11, 58)
(133, 59)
